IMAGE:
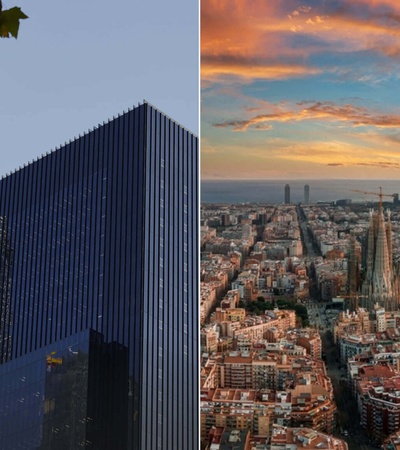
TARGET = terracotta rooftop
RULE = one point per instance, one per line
(377, 370)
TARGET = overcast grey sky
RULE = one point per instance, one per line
(79, 62)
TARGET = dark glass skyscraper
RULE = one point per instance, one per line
(99, 289)
(287, 194)
(306, 194)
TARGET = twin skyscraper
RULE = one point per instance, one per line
(306, 194)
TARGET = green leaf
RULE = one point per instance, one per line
(9, 22)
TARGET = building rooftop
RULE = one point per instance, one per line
(305, 438)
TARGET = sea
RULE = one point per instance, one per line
(272, 191)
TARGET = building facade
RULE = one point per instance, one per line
(379, 405)
(99, 274)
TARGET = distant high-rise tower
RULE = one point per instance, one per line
(287, 193)
(306, 194)
(381, 283)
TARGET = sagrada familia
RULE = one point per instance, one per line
(381, 283)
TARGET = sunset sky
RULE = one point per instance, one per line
(300, 90)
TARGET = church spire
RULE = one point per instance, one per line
(379, 284)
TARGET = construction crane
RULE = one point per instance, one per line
(380, 194)
(354, 297)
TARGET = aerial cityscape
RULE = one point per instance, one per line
(300, 230)
(300, 318)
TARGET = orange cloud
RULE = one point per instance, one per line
(353, 115)
(254, 40)
(394, 4)
(242, 39)
(249, 70)
(378, 164)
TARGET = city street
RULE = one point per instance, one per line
(348, 417)
(307, 242)
(317, 316)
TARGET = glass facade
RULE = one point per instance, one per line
(64, 396)
(99, 241)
